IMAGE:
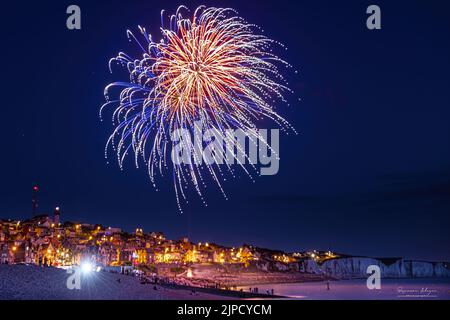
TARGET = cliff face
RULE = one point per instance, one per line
(356, 267)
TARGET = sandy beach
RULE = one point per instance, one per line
(21, 282)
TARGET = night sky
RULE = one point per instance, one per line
(369, 173)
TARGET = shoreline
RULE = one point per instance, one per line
(241, 291)
(224, 292)
(428, 288)
(231, 280)
(20, 282)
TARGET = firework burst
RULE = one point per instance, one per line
(210, 70)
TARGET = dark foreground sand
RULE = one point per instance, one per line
(20, 282)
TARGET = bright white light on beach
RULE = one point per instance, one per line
(86, 267)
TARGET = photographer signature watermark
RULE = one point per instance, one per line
(416, 293)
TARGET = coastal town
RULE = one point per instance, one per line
(44, 245)
(46, 240)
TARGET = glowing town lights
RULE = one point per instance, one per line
(124, 249)
(281, 258)
(330, 254)
(87, 267)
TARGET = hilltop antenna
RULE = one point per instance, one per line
(34, 200)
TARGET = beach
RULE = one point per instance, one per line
(356, 289)
(22, 282)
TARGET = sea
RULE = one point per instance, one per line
(357, 289)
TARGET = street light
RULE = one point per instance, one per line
(86, 267)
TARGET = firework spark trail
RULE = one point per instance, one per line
(211, 69)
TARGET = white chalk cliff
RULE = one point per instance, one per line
(356, 267)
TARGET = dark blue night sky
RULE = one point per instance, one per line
(368, 174)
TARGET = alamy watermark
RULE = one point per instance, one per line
(74, 280)
(227, 147)
(374, 20)
(73, 21)
(374, 280)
